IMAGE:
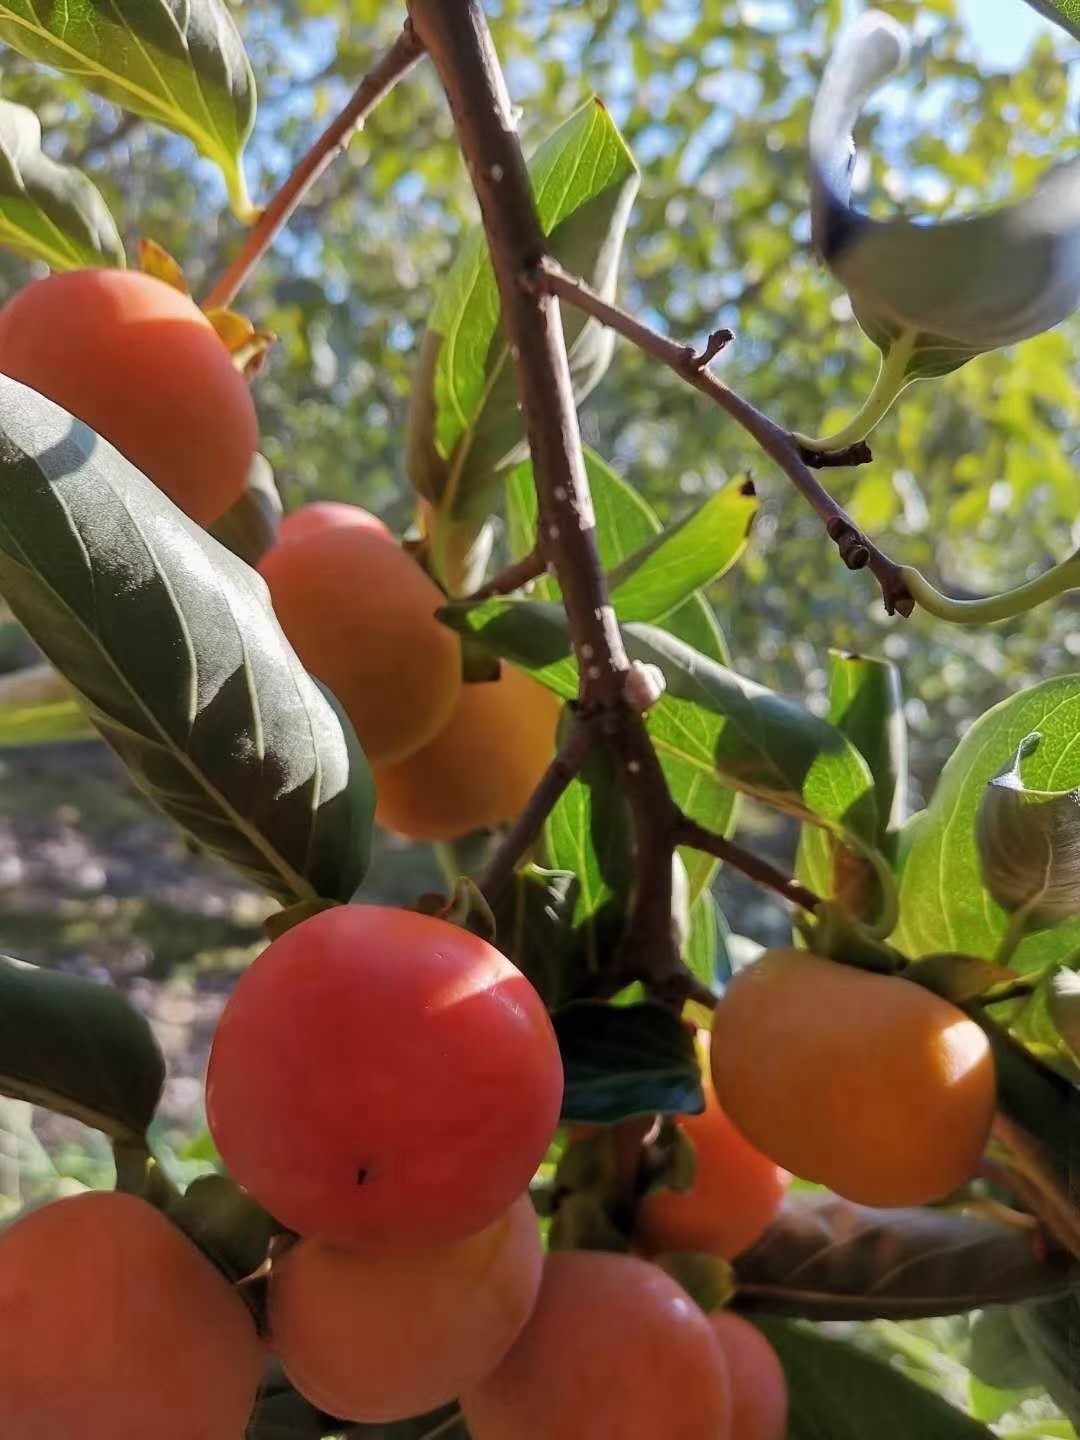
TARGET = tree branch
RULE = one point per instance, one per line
(697, 837)
(546, 276)
(567, 764)
(456, 36)
(391, 66)
(529, 567)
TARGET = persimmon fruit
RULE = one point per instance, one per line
(379, 1336)
(319, 515)
(115, 1327)
(866, 1083)
(361, 615)
(385, 1078)
(759, 1389)
(480, 769)
(614, 1350)
(140, 363)
(735, 1195)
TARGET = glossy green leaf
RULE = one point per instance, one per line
(1029, 844)
(932, 295)
(711, 722)
(824, 1258)
(1065, 12)
(649, 584)
(1049, 1330)
(465, 427)
(944, 905)
(226, 1223)
(48, 211)
(840, 1393)
(178, 62)
(866, 705)
(249, 527)
(533, 928)
(171, 644)
(78, 1048)
(621, 1061)
(37, 707)
(1064, 1001)
(589, 833)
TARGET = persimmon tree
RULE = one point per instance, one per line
(534, 660)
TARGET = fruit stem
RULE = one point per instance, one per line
(986, 611)
(391, 66)
(892, 379)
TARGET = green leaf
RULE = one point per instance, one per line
(621, 1061)
(998, 1356)
(824, 1258)
(38, 708)
(172, 645)
(1049, 1331)
(711, 722)
(840, 1393)
(944, 905)
(706, 952)
(533, 928)
(78, 1048)
(178, 62)
(1064, 1001)
(932, 296)
(226, 1223)
(1065, 12)
(465, 428)
(588, 833)
(249, 527)
(674, 565)
(48, 211)
(866, 705)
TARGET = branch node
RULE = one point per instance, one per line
(857, 454)
(717, 341)
(643, 687)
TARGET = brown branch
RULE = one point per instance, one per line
(391, 66)
(529, 567)
(856, 549)
(688, 832)
(567, 764)
(456, 37)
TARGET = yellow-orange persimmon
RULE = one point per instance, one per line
(113, 1326)
(759, 1390)
(736, 1191)
(385, 1078)
(480, 769)
(140, 363)
(615, 1350)
(867, 1083)
(377, 1336)
(361, 615)
(327, 515)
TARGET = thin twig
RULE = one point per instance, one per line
(856, 549)
(567, 764)
(688, 832)
(529, 567)
(455, 35)
(1033, 1181)
(391, 66)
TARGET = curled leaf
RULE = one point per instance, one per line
(931, 296)
(1029, 844)
(48, 211)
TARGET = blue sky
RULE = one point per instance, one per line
(1003, 29)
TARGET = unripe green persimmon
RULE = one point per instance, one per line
(383, 1078)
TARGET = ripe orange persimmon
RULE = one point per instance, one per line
(480, 769)
(615, 1350)
(759, 1391)
(140, 363)
(867, 1083)
(361, 615)
(371, 1336)
(327, 515)
(736, 1192)
(113, 1326)
(385, 1078)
